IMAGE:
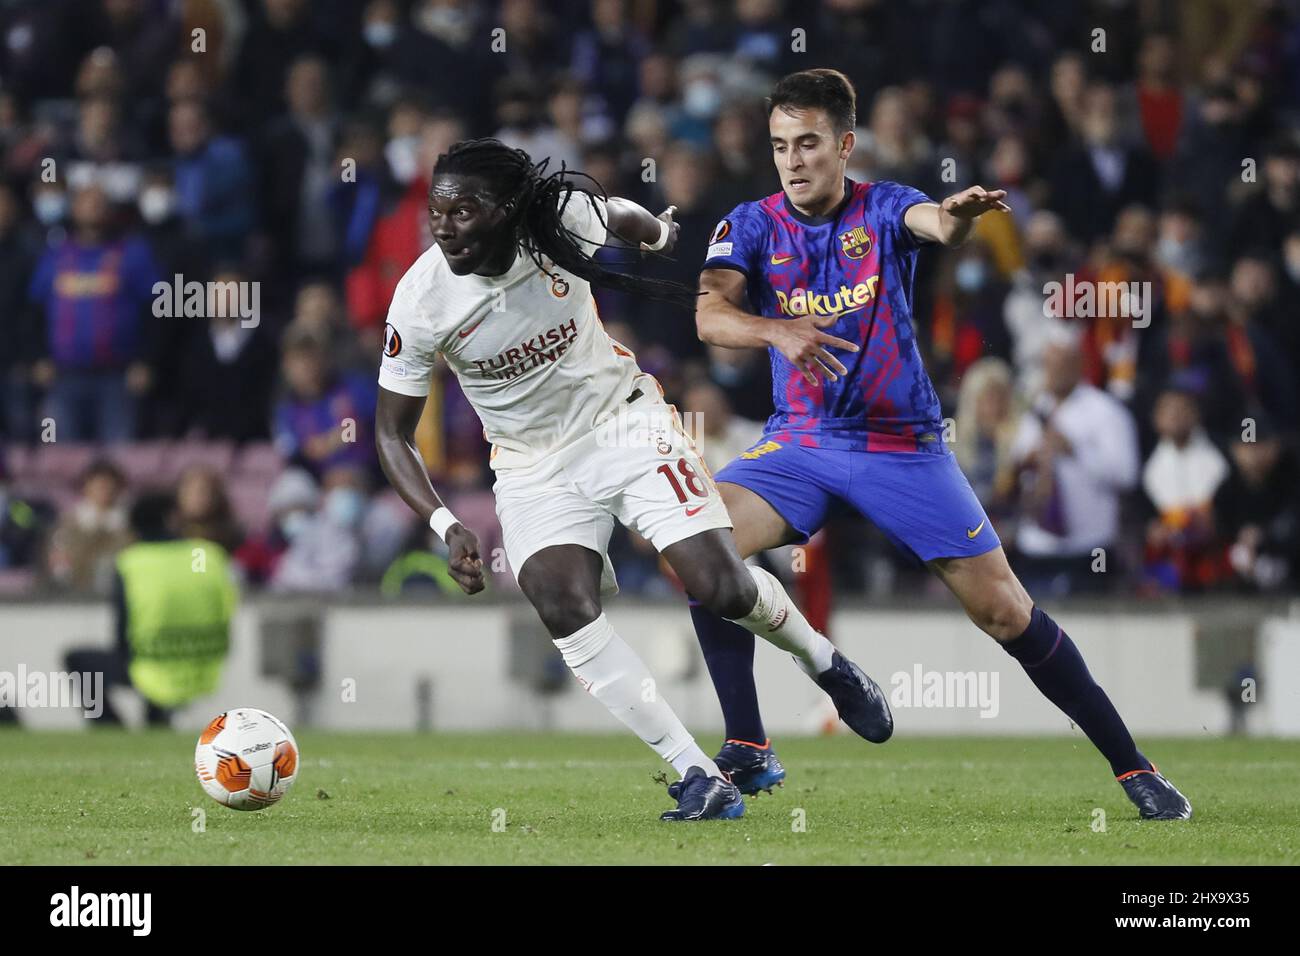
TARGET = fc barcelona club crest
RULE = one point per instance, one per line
(855, 243)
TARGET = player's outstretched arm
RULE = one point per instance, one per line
(637, 226)
(395, 419)
(950, 222)
(720, 319)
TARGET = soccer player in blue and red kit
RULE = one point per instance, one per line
(820, 274)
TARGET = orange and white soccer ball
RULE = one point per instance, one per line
(246, 759)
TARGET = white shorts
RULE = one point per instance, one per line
(638, 466)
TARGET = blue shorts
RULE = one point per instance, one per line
(920, 500)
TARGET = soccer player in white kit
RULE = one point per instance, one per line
(580, 437)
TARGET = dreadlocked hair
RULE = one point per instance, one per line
(535, 201)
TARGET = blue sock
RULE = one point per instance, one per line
(729, 654)
(1056, 667)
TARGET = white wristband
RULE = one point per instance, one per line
(663, 238)
(440, 521)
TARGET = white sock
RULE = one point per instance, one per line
(614, 674)
(776, 619)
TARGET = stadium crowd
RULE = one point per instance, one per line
(280, 151)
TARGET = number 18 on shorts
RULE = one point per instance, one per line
(639, 467)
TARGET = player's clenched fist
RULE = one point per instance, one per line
(803, 342)
(464, 562)
(674, 229)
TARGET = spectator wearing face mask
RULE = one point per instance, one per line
(967, 322)
(325, 553)
(365, 71)
(709, 84)
(174, 248)
(292, 501)
(50, 207)
(182, 258)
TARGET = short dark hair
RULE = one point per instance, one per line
(151, 515)
(828, 90)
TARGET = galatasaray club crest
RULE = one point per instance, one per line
(559, 288)
(855, 243)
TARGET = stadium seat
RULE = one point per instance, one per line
(182, 455)
(16, 461)
(143, 463)
(258, 462)
(62, 462)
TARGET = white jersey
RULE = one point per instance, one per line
(531, 354)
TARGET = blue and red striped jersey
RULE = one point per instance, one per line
(856, 265)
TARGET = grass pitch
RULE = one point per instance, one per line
(111, 797)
